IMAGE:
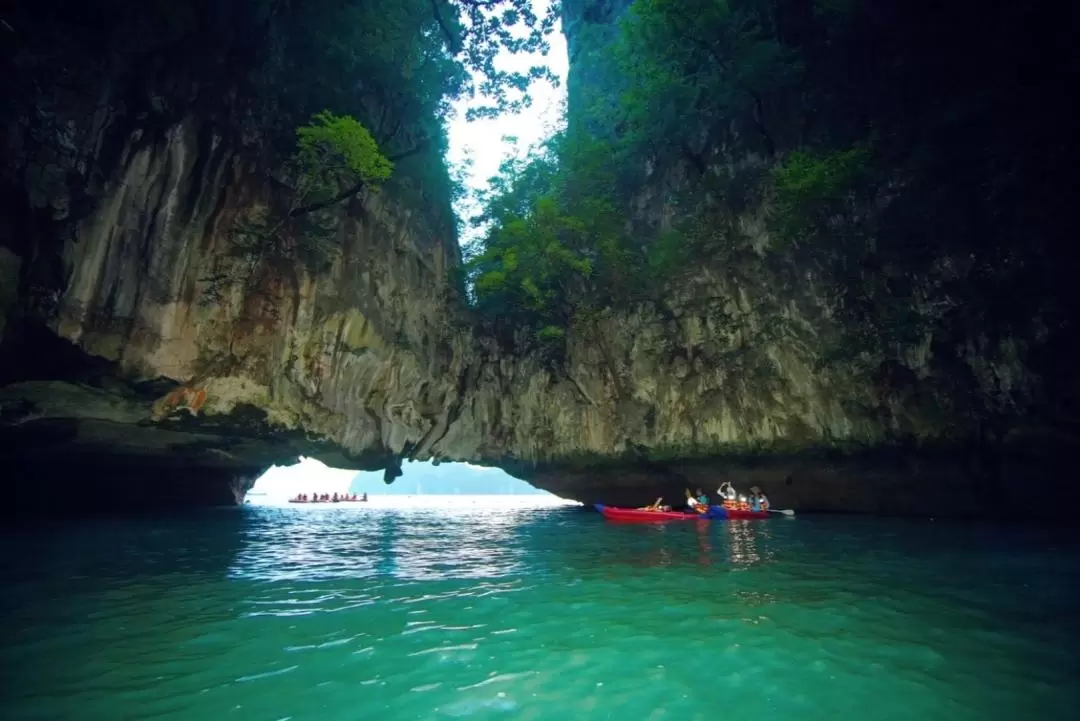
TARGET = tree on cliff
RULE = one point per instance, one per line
(554, 237)
(398, 68)
(370, 86)
(693, 68)
(698, 68)
(335, 157)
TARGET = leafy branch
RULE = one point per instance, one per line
(478, 31)
(336, 157)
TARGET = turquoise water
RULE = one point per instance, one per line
(300, 613)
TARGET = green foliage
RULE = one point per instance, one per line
(817, 191)
(895, 163)
(551, 333)
(483, 30)
(333, 146)
(555, 242)
(397, 68)
(371, 86)
(669, 252)
(530, 262)
(711, 62)
(565, 211)
(686, 73)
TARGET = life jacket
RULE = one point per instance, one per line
(744, 506)
(729, 504)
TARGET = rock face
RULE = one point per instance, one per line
(749, 369)
(139, 332)
(147, 354)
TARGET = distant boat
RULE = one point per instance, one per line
(358, 499)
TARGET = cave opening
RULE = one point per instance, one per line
(421, 483)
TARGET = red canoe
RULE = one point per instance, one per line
(716, 513)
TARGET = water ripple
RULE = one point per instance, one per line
(541, 614)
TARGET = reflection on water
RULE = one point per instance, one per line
(416, 544)
(469, 543)
(745, 538)
(723, 545)
(485, 612)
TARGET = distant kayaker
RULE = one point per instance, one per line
(758, 500)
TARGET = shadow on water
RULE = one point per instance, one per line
(200, 542)
(76, 593)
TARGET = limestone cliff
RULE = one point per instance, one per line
(141, 332)
(148, 353)
(753, 365)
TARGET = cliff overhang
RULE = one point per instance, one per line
(152, 354)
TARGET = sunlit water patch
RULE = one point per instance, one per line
(462, 610)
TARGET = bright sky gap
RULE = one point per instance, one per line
(479, 147)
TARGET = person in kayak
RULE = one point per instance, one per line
(694, 504)
(656, 505)
(728, 494)
(758, 500)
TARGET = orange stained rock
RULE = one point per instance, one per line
(197, 400)
(192, 399)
